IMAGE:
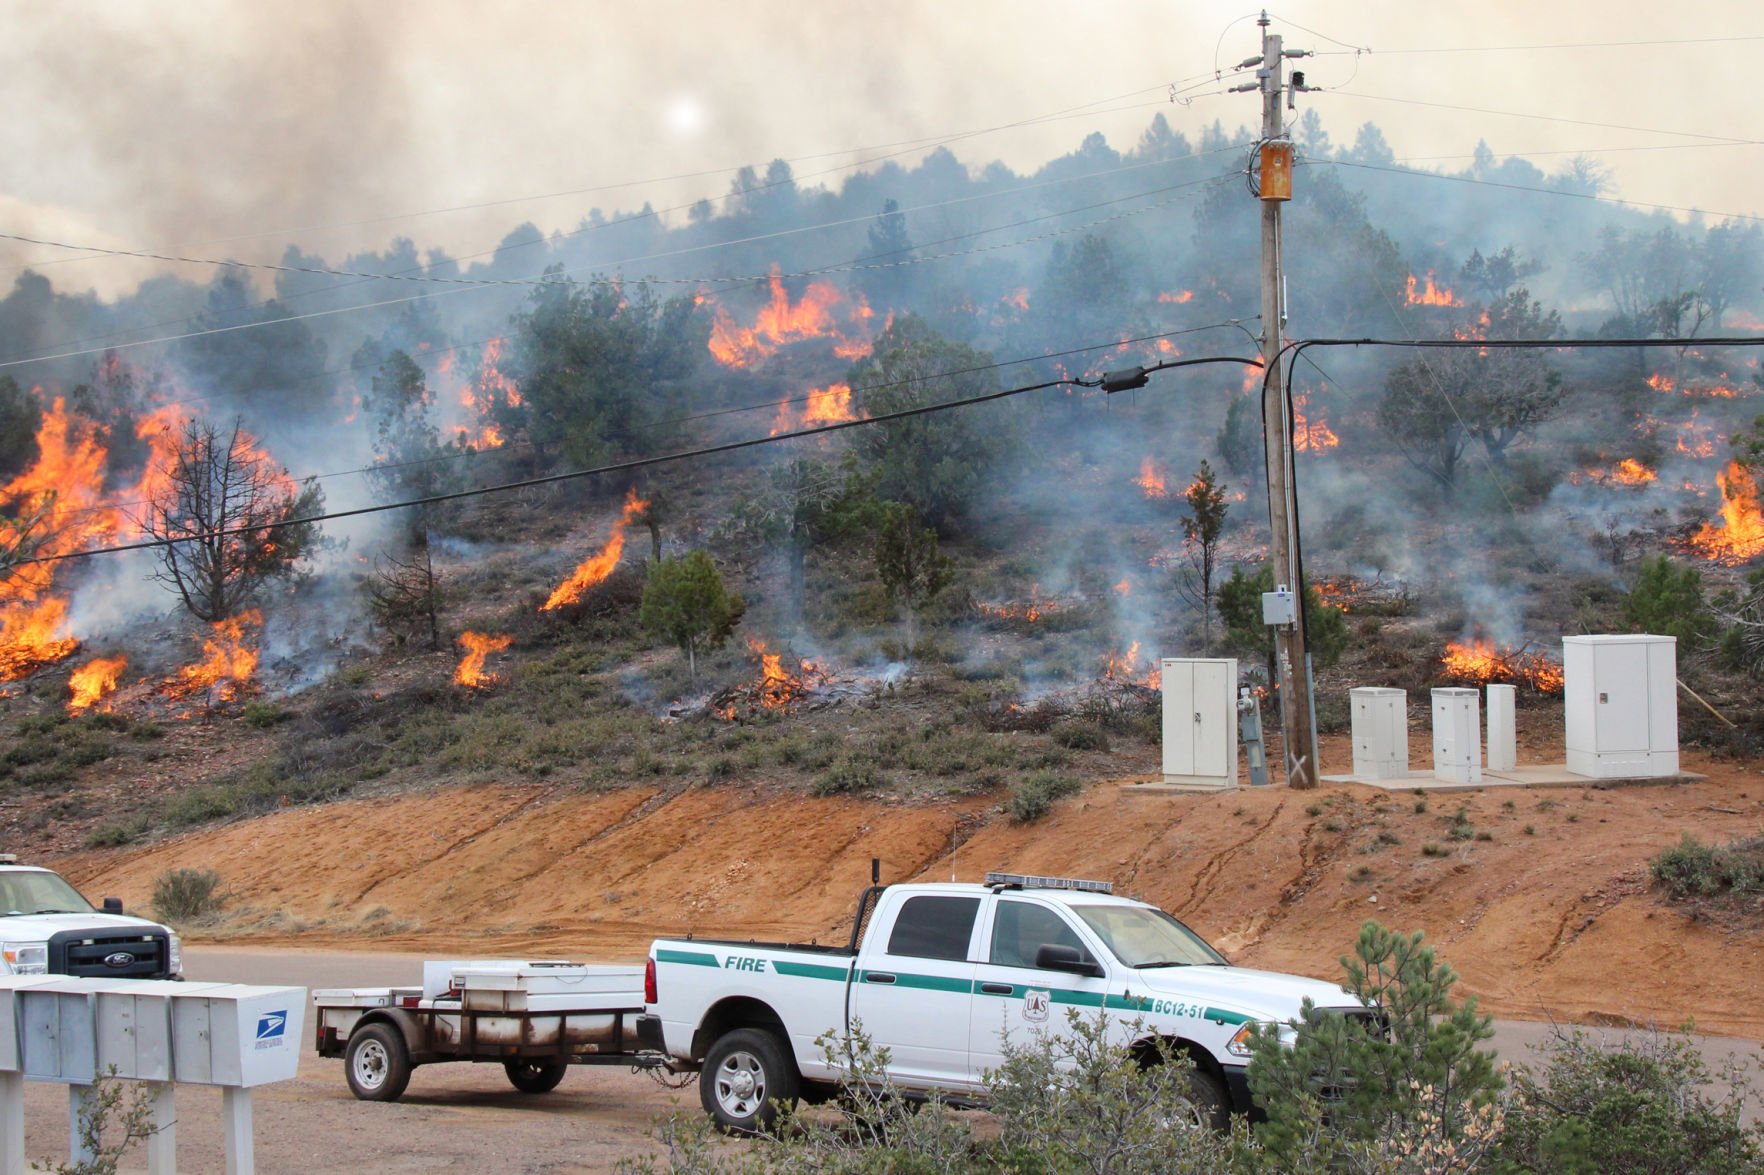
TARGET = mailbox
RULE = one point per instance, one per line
(12, 1020)
(58, 1039)
(236, 1035)
(134, 1028)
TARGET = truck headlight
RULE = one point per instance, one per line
(175, 964)
(26, 958)
(1239, 1044)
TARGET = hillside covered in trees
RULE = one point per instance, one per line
(395, 518)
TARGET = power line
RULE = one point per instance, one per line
(1523, 48)
(1595, 197)
(1613, 126)
(767, 405)
(622, 466)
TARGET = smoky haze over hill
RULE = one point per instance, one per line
(758, 310)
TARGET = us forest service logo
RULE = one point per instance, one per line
(1036, 1005)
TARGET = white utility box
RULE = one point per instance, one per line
(519, 987)
(1380, 720)
(237, 1035)
(1200, 721)
(1620, 705)
(1457, 736)
(1503, 727)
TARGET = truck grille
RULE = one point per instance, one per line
(109, 955)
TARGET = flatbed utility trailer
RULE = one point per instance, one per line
(535, 1018)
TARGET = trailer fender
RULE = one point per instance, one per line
(415, 1042)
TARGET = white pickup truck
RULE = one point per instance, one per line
(47, 928)
(941, 975)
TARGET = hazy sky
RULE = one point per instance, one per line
(231, 128)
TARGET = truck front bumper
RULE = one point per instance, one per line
(1237, 1086)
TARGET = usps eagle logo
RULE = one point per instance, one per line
(272, 1030)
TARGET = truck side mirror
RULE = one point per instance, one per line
(113, 905)
(1053, 957)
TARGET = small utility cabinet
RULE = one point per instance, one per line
(535, 1018)
(1620, 705)
(1200, 721)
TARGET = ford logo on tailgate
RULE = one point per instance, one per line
(119, 960)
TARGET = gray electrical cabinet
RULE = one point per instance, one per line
(1620, 705)
(1200, 721)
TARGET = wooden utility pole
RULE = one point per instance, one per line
(1274, 171)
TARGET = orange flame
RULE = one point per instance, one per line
(1179, 297)
(1429, 294)
(57, 506)
(1696, 439)
(1125, 667)
(1032, 611)
(598, 566)
(227, 661)
(1481, 663)
(778, 688)
(93, 681)
(780, 323)
(828, 405)
(1309, 436)
(1150, 480)
(1740, 537)
(478, 646)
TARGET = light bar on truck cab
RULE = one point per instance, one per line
(1032, 881)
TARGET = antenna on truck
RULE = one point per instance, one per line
(875, 870)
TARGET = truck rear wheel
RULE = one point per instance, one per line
(539, 1076)
(748, 1078)
(377, 1063)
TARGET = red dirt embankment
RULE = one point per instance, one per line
(1542, 906)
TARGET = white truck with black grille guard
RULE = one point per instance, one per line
(47, 928)
(942, 975)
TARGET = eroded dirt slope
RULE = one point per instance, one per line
(1542, 906)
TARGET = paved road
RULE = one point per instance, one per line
(461, 1117)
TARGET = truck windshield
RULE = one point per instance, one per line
(1140, 936)
(39, 893)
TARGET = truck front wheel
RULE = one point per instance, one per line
(535, 1076)
(377, 1063)
(748, 1079)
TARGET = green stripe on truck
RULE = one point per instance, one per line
(1220, 1016)
(809, 970)
(690, 958)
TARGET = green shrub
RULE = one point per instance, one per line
(1646, 1103)
(1692, 869)
(1034, 794)
(847, 776)
(109, 836)
(1080, 736)
(1338, 1091)
(187, 895)
(263, 715)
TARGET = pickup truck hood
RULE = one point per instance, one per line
(1262, 995)
(38, 927)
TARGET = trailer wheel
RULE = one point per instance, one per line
(376, 1063)
(748, 1079)
(539, 1076)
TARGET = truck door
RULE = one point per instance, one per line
(1013, 998)
(913, 993)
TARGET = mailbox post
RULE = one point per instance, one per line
(74, 1031)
